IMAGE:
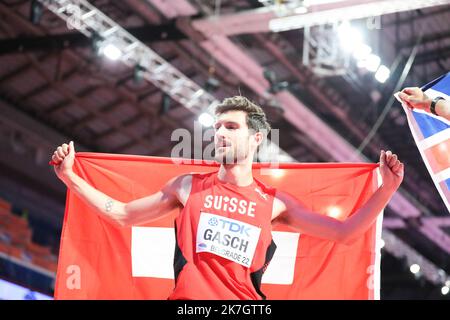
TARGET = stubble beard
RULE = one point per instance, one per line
(230, 157)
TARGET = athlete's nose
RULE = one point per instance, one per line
(220, 133)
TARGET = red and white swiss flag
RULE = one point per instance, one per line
(99, 260)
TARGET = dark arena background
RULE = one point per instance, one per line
(121, 76)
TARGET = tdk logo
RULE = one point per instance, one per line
(234, 227)
(213, 222)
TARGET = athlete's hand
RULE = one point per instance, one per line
(63, 159)
(391, 169)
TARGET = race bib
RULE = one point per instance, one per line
(229, 238)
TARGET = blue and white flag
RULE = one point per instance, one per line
(432, 136)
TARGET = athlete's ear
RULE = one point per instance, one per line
(259, 137)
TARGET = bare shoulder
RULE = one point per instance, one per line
(279, 205)
(178, 181)
(180, 186)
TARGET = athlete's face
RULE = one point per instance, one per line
(234, 142)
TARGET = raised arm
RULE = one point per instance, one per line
(289, 210)
(151, 207)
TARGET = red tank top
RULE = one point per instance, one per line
(223, 240)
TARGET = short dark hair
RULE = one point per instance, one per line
(256, 117)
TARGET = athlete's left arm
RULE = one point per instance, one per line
(289, 210)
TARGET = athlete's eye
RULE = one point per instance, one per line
(228, 126)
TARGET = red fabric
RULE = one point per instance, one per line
(101, 251)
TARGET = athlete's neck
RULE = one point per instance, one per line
(237, 174)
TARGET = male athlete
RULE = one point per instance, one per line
(223, 230)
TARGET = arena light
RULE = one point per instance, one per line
(362, 51)
(348, 11)
(349, 37)
(414, 268)
(206, 119)
(371, 62)
(383, 73)
(111, 51)
(445, 290)
(96, 25)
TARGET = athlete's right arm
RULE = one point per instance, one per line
(125, 214)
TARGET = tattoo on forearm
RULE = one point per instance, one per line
(108, 205)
